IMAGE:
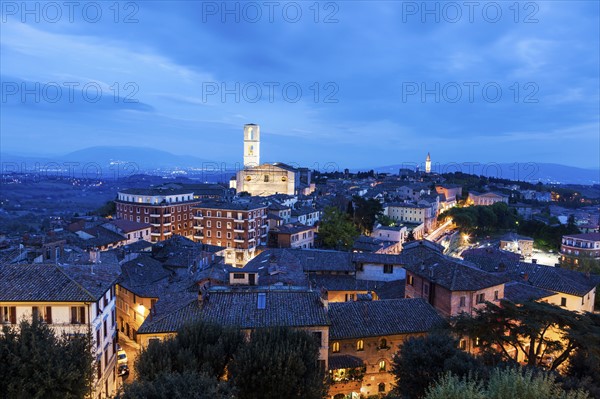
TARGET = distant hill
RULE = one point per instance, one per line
(108, 157)
(524, 171)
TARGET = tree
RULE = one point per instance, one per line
(109, 208)
(422, 360)
(503, 384)
(36, 363)
(201, 347)
(278, 363)
(385, 220)
(178, 385)
(336, 231)
(544, 335)
(366, 213)
(410, 236)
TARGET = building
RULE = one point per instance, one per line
(247, 310)
(517, 244)
(490, 198)
(577, 248)
(412, 213)
(167, 210)
(306, 215)
(450, 191)
(428, 164)
(71, 299)
(292, 236)
(239, 227)
(268, 179)
(363, 338)
(132, 231)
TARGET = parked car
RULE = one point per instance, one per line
(123, 370)
(121, 357)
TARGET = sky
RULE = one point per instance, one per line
(350, 83)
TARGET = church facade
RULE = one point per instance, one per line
(268, 179)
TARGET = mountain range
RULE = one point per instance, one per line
(147, 159)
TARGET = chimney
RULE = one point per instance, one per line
(534, 261)
(526, 277)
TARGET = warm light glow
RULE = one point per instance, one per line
(466, 237)
(141, 309)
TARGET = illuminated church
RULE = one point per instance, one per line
(268, 179)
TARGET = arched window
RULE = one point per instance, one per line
(335, 347)
(381, 387)
(360, 345)
(266, 178)
(383, 343)
(382, 365)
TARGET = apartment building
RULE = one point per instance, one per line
(239, 227)
(167, 210)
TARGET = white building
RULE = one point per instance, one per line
(71, 299)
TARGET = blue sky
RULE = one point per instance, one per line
(382, 82)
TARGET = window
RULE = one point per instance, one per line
(462, 344)
(262, 301)
(105, 327)
(218, 225)
(360, 345)
(563, 301)
(411, 280)
(335, 347)
(496, 295)
(382, 344)
(218, 234)
(388, 269)
(266, 178)
(381, 387)
(48, 314)
(462, 302)
(477, 342)
(208, 223)
(239, 276)
(77, 314)
(8, 314)
(382, 365)
(349, 297)
(481, 298)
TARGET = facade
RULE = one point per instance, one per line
(517, 244)
(292, 236)
(168, 211)
(70, 299)
(486, 198)
(133, 231)
(578, 247)
(363, 338)
(450, 191)
(240, 228)
(412, 213)
(251, 145)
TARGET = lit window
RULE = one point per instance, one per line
(335, 347)
(360, 345)
(382, 365)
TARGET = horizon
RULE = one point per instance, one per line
(521, 84)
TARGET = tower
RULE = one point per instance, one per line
(428, 164)
(251, 145)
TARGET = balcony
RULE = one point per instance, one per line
(199, 217)
(199, 236)
(198, 227)
(168, 233)
(155, 234)
(155, 215)
(155, 224)
(236, 230)
(167, 214)
(251, 230)
(236, 220)
(239, 240)
(167, 224)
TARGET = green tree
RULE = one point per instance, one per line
(109, 208)
(278, 363)
(36, 363)
(200, 347)
(336, 231)
(385, 220)
(503, 384)
(189, 385)
(544, 334)
(422, 360)
(366, 213)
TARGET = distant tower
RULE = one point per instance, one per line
(428, 164)
(251, 145)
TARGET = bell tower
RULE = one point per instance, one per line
(251, 145)
(428, 164)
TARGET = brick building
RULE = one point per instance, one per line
(167, 210)
(238, 227)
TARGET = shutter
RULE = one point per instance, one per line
(73, 315)
(49, 314)
(13, 315)
(82, 314)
